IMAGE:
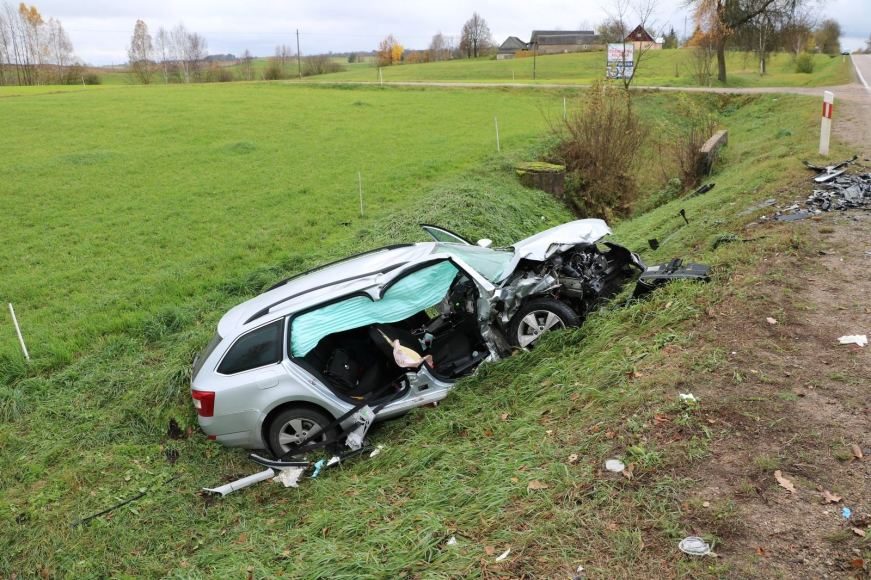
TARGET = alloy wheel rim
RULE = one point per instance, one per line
(536, 323)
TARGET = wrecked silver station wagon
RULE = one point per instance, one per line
(399, 324)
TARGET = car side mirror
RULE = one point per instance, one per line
(485, 243)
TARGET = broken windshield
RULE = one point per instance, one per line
(491, 264)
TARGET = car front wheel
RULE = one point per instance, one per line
(294, 425)
(538, 317)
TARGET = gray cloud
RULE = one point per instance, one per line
(101, 29)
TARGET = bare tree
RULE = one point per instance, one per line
(828, 35)
(723, 18)
(475, 37)
(611, 30)
(5, 54)
(642, 11)
(283, 57)
(438, 48)
(60, 49)
(246, 71)
(178, 41)
(163, 51)
(139, 53)
(30, 24)
(797, 31)
(196, 53)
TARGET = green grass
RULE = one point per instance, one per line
(658, 68)
(132, 218)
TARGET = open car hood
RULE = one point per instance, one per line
(544, 244)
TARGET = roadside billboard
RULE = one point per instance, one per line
(621, 63)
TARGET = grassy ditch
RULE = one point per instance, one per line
(80, 433)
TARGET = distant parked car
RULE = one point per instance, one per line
(409, 318)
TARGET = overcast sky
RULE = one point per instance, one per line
(101, 29)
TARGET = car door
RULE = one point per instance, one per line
(441, 234)
(246, 375)
(426, 388)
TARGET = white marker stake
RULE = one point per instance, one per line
(18, 330)
(360, 185)
(826, 123)
(565, 110)
(498, 146)
(380, 77)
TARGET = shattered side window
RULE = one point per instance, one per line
(491, 264)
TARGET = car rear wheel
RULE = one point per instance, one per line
(294, 425)
(538, 317)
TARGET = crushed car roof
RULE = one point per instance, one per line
(365, 271)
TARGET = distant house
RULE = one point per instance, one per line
(557, 41)
(641, 39)
(510, 47)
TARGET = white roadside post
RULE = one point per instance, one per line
(18, 331)
(380, 77)
(565, 110)
(826, 123)
(360, 186)
(498, 146)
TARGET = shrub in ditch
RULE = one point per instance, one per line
(600, 145)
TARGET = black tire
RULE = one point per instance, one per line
(549, 314)
(295, 421)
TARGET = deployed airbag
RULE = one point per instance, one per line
(408, 296)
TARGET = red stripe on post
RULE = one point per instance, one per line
(827, 110)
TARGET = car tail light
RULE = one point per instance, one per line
(204, 401)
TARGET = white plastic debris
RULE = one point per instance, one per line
(333, 460)
(376, 451)
(503, 555)
(452, 541)
(363, 418)
(694, 546)
(688, 398)
(615, 465)
(860, 339)
(289, 476)
(229, 488)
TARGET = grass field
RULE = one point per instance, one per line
(670, 68)
(658, 68)
(132, 217)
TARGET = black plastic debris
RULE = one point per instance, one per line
(653, 243)
(656, 276)
(793, 217)
(704, 189)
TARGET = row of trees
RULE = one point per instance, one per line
(34, 50)
(175, 55)
(475, 40)
(762, 26)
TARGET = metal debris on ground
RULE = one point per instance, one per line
(834, 190)
(827, 172)
(694, 546)
(860, 339)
